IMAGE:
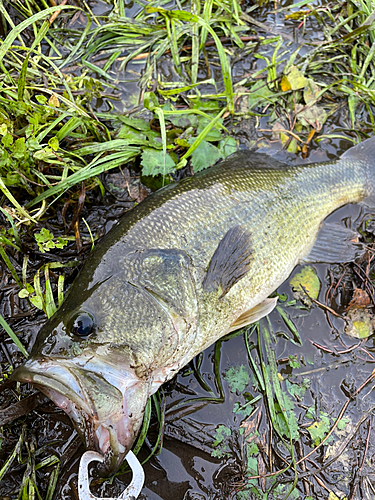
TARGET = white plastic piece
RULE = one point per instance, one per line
(130, 493)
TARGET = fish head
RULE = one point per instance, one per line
(97, 383)
(126, 326)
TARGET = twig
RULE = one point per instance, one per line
(55, 14)
(359, 472)
(343, 409)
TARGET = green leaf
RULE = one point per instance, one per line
(293, 362)
(37, 302)
(252, 466)
(53, 143)
(204, 156)
(228, 146)
(45, 240)
(319, 429)
(7, 140)
(19, 148)
(42, 99)
(131, 135)
(136, 123)
(150, 101)
(243, 411)
(342, 423)
(214, 135)
(152, 162)
(305, 284)
(295, 78)
(297, 390)
(22, 294)
(237, 378)
(221, 443)
(259, 95)
(184, 121)
(13, 336)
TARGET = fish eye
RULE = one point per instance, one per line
(83, 325)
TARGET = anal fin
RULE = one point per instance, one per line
(335, 244)
(254, 314)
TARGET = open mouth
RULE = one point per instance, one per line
(105, 403)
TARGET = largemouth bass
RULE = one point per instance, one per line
(189, 264)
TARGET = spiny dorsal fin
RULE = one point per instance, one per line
(230, 262)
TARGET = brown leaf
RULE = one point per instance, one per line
(54, 101)
(251, 423)
(360, 300)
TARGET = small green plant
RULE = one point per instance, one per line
(46, 241)
(222, 441)
(237, 378)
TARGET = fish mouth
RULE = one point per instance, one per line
(105, 402)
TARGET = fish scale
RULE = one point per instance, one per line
(190, 263)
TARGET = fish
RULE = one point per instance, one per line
(192, 262)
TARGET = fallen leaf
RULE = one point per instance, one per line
(251, 424)
(295, 78)
(285, 85)
(54, 101)
(299, 14)
(311, 91)
(359, 323)
(305, 284)
(315, 116)
(278, 133)
(360, 299)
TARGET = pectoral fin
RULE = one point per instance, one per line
(335, 244)
(254, 314)
(230, 262)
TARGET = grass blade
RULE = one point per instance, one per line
(15, 339)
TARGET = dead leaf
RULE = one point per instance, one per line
(311, 91)
(360, 324)
(299, 14)
(54, 101)
(285, 85)
(251, 423)
(314, 116)
(360, 299)
(278, 133)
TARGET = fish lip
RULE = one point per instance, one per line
(111, 433)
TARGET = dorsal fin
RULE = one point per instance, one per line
(365, 149)
(230, 262)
